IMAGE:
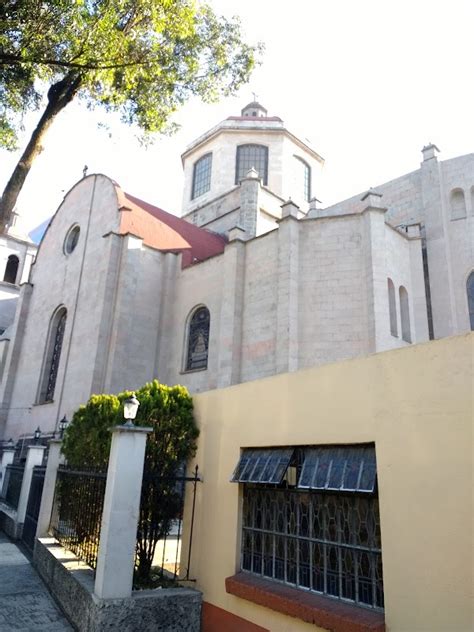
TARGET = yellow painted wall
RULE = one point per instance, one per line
(416, 404)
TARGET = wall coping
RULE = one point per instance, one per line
(316, 609)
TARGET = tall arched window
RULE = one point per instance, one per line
(202, 176)
(458, 204)
(404, 314)
(11, 269)
(303, 179)
(392, 307)
(52, 355)
(198, 339)
(251, 156)
(470, 298)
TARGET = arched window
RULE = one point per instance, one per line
(404, 314)
(470, 298)
(458, 204)
(251, 156)
(198, 339)
(52, 355)
(392, 306)
(11, 269)
(303, 178)
(202, 176)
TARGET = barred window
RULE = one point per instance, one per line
(198, 339)
(52, 356)
(317, 527)
(251, 156)
(303, 176)
(202, 176)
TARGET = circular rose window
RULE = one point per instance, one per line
(71, 239)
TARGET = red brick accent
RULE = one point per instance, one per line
(323, 611)
(216, 619)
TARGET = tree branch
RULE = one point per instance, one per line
(7, 60)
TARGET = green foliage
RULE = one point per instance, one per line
(141, 58)
(168, 410)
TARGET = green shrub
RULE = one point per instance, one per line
(168, 410)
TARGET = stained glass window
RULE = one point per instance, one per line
(198, 339)
(252, 157)
(53, 356)
(202, 176)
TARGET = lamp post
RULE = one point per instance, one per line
(130, 408)
(10, 445)
(37, 434)
(62, 425)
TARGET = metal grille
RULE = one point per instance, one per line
(33, 507)
(55, 357)
(252, 156)
(198, 339)
(77, 512)
(325, 543)
(12, 484)
(202, 176)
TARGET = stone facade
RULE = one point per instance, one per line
(288, 286)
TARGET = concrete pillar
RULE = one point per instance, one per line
(376, 273)
(437, 245)
(7, 459)
(54, 459)
(249, 203)
(34, 457)
(287, 347)
(118, 533)
(230, 335)
(417, 296)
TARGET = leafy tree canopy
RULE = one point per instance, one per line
(140, 58)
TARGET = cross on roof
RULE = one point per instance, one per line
(255, 95)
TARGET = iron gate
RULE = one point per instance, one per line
(33, 506)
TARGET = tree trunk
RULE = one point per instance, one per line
(59, 95)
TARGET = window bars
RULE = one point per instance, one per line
(311, 520)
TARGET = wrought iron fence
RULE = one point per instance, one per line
(77, 511)
(77, 514)
(33, 506)
(160, 525)
(12, 484)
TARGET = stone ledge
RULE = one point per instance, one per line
(72, 583)
(323, 611)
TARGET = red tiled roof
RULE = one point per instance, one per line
(167, 232)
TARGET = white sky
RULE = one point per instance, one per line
(369, 82)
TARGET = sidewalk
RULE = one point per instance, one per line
(25, 603)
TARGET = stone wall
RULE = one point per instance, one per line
(72, 585)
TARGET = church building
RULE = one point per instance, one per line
(253, 280)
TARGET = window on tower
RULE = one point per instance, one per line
(252, 156)
(202, 176)
(303, 178)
